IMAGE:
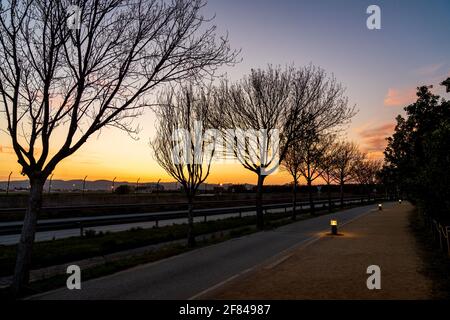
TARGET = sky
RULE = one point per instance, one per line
(380, 69)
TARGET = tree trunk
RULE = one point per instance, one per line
(259, 205)
(342, 193)
(25, 246)
(330, 205)
(312, 209)
(191, 234)
(294, 201)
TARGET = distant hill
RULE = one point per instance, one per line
(98, 185)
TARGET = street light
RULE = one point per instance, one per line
(157, 189)
(84, 184)
(112, 186)
(9, 180)
(333, 224)
(50, 183)
(137, 185)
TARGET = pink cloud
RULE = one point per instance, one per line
(400, 97)
(373, 140)
(6, 150)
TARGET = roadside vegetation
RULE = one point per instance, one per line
(417, 160)
(417, 156)
(436, 264)
(416, 167)
(48, 253)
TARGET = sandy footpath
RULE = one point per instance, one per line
(335, 267)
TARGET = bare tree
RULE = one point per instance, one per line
(183, 146)
(291, 164)
(284, 105)
(312, 152)
(345, 157)
(259, 104)
(76, 81)
(327, 165)
(366, 172)
(304, 159)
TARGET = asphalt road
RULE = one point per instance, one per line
(187, 275)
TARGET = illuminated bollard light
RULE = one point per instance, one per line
(380, 207)
(333, 224)
(400, 201)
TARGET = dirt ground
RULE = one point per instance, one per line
(335, 267)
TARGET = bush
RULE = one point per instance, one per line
(124, 189)
(90, 233)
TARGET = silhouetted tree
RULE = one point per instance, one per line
(328, 166)
(345, 157)
(313, 152)
(304, 158)
(416, 158)
(366, 172)
(292, 163)
(286, 104)
(77, 81)
(182, 146)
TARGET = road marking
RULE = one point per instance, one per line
(220, 284)
(290, 251)
(280, 261)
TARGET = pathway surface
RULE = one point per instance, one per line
(335, 267)
(188, 275)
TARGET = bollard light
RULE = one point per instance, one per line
(400, 201)
(333, 224)
(380, 207)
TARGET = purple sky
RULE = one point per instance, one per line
(380, 68)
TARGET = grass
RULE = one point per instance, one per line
(108, 268)
(48, 253)
(98, 271)
(437, 262)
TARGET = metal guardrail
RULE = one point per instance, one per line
(86, 222)
(134, 205)
(440, 233)
(443, 235)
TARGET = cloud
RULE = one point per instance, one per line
(373, 140)
(375, 155)
(6, 150)
(400, 97)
